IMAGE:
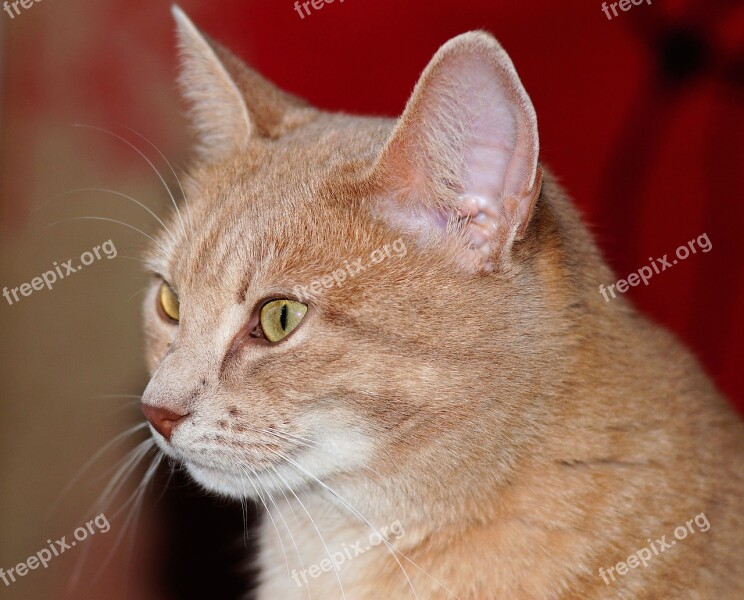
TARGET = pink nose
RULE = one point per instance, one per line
(163, 420)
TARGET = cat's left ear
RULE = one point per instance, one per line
(230, 104)
(463, 158)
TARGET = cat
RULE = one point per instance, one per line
(474, 394)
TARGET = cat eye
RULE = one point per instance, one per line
(169, 301)
(280, 317)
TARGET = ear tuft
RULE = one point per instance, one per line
(464, 155)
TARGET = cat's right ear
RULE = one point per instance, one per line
(229, 103)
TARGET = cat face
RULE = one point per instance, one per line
(250, 241)
(320, 303)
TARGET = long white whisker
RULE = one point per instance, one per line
(291, 537)
(288, 438)
(137, 258)
(91, 461)
(117, 481)
(183, 193)
(299, 554)
(149, 476)
(145, 480)
(135, 500)
(244, 512)
(268, 513)
(149, 237)
(147, 160)
(135, 456)
(293, 436)
(115, 193)
(137, 293)
(328, 552)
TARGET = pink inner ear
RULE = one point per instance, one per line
(489, 132)
(495, 158)
(466, 147)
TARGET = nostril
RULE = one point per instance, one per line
(162, 419)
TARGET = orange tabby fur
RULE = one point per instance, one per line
(523, 431)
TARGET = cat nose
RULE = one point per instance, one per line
(163, 420)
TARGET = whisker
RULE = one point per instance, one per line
(147, 160)
(178, 180)
(136, 493)
(115, 193)
(244, 513)
(328, 552)
(291, 537)
(117, 481)
(288, 438)
(291, 508)
(149, 237)
(268, 513)
(111, 490)
(113, 441)
(171, 472)
(135, 500)
(149, 475)
(137, 258)
(137, 293)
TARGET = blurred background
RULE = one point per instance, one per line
(641, 117)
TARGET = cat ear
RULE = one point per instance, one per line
(229, 102)
(464, 155)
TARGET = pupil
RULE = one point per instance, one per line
(283, 317)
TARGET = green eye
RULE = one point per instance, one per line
(169, 301)
(280, 317)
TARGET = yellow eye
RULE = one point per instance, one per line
(280, 317)
(169, 301)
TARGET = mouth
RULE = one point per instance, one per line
(234, 478)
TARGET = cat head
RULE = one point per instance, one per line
(343, 295)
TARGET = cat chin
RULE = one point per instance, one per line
(219, 481)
